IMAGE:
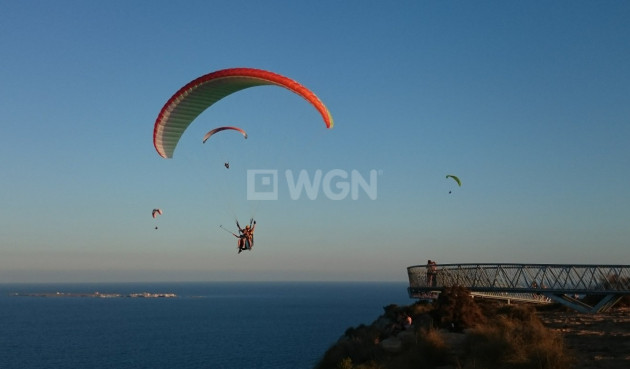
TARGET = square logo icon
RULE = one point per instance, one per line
(262, 184)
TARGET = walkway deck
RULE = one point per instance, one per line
(535, 283)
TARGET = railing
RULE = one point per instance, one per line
(556, 282)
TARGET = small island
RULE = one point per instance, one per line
(96, 294)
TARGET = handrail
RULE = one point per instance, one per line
(555, 281)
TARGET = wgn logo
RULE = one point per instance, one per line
(336, 184)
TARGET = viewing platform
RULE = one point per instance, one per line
(534, 283)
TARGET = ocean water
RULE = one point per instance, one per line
(208, 325)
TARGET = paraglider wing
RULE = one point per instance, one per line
(207, 136)
(455, 178)
(198, 95)
(156, 212)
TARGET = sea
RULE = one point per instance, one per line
(222, 325)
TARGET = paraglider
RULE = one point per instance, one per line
(455, 178)
(245, 235)
(198, 95)
(219, 129)
(155, 214)
(246, 241)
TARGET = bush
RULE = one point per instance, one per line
(498, 336)
(358, 345)
(516, 339)
(456, 309)
(345, 363)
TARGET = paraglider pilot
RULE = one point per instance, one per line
(246, 236)
(240, 244)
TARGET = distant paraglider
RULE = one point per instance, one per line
(219, 129)
(455, 178)
(155, 214)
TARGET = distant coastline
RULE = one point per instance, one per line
(94, 295)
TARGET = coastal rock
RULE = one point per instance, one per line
(382, 323)
(423, 321)
(392, 344)
(455, 341)
(407, 338)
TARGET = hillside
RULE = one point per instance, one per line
(459, 332)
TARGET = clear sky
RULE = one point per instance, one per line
(527, 102)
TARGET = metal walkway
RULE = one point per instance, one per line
(534, 283)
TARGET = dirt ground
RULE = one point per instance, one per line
(597, 340)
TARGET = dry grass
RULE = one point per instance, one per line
(515, 339)
(494, 337)
(595, 340)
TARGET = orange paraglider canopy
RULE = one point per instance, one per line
(198, 95)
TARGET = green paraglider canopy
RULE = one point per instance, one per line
(455, 178)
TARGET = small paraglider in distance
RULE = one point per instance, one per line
(219, 129)
(155, 214)
(455, 178)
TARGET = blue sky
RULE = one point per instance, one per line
(527, 102)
